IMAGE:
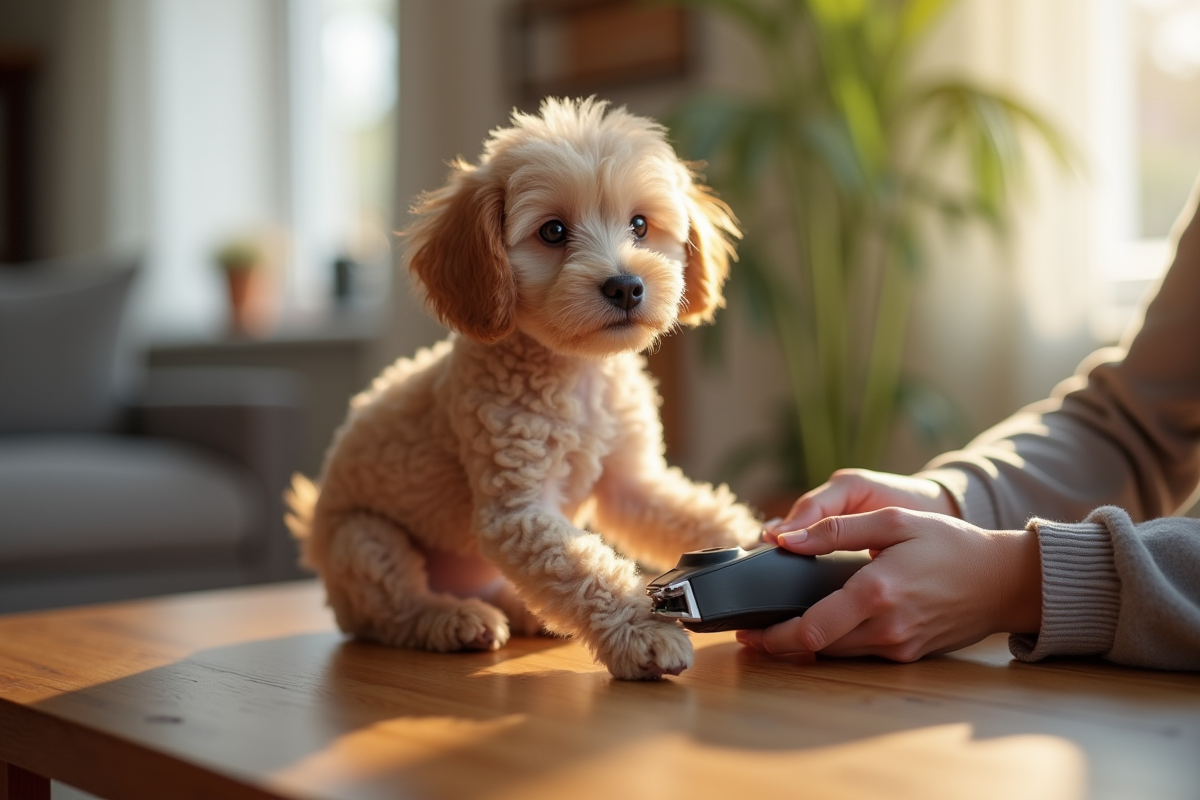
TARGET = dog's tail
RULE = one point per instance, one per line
(301, 500)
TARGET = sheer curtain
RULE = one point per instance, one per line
(999, 328)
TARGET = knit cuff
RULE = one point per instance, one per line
(970, 493)
(1081, 593)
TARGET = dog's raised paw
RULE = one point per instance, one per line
(647, 650)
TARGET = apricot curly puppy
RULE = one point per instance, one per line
(577, 240)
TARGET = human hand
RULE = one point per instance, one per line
(936, 584)
(855, 491)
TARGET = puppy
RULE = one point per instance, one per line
(470, 485)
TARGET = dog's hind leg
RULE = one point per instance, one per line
(377, 586)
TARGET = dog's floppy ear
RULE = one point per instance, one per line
(456, 251)
(711, 228)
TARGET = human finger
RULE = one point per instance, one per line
(854, 491)
(825, 622)
(750, 638)
(874, 530)
(828, 499)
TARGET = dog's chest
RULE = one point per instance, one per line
(541, 430)
(587, 434)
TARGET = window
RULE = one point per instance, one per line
(259, 119)
(1146, 130)
(343, 78)
(1166, 55)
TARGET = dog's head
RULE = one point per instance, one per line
(579, 227)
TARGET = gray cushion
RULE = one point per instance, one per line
(83, 497)
(59, 333)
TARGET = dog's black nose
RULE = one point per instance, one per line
(624, 291)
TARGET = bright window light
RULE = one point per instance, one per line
(343, 66)
(1167, 88)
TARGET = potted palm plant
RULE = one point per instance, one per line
(841, 153)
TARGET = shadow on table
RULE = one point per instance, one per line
(344, 718)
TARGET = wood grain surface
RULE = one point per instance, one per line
(253, 694)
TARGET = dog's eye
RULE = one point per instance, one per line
(553, 232)
(638, 226)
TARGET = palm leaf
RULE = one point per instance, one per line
(828, 139)
(918, 17)
(704, 125)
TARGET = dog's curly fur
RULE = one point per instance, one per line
(537, 416)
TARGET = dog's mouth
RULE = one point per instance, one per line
(612, 334)
(629, 321)
(619, 324)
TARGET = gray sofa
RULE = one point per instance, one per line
(116, 483)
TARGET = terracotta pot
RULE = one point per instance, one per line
(240, 284)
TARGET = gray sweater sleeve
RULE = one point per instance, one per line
(1128, 593)
(1114, 446)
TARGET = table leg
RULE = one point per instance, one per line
(21, 784)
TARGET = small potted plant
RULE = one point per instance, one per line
(239, 259)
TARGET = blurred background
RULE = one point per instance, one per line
(946, 205)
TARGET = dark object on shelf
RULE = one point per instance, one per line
(344, 269)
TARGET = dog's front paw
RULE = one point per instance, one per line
(645, 650)
(469, 624)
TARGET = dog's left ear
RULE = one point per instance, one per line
(456, 251)
(710, 249)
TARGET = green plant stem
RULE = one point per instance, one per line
(816, 430)
(829, 317)
(884, 363)
(816, 352)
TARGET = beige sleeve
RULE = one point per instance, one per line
(1124, 431)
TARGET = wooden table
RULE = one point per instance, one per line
(253, 694)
